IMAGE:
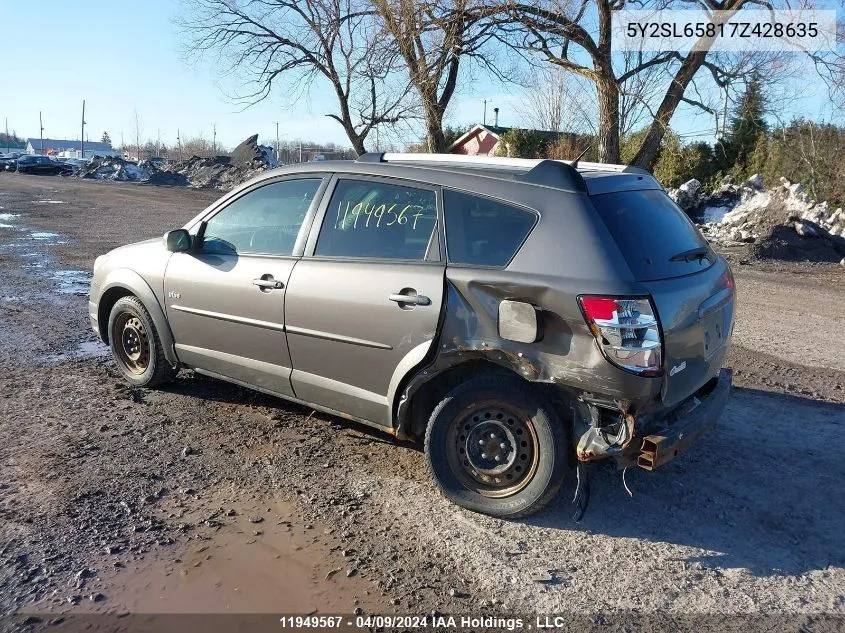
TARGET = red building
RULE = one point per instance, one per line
(482, 140)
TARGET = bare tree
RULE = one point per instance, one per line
(557, 101)
(576, 36)
(296, 42)
(435, 38)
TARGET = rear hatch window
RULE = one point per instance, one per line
(655, 236)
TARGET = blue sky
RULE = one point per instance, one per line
(126, 57)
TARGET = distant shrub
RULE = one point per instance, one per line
(519, 143)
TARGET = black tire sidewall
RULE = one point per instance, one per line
(133, 306)
(551, 447)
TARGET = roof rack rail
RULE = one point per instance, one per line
(493, 161)
(562, 174)
(551, 173)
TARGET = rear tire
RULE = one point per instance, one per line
(494, 446)
(136, 346)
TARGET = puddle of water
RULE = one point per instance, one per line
(49, 202)
(74, 282)
(6, 226)
(280, 565)
(86, 349)
(7, 216)
(43, 236)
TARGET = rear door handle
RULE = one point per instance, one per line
(268, 284)
(414, 300)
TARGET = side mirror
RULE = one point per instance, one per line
(177, 241)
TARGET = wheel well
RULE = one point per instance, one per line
(433, 391)
(107, 301)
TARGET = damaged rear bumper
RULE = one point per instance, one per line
(683, 428)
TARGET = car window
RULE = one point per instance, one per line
(378, 220)
(483, 231)
(265, 220)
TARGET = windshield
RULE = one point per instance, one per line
(656, 237)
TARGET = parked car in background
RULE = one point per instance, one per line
(8, 162)
(33, 164)
(41, 165)
(520, 317)
(74, 163)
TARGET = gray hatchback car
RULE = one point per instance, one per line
(522, 317)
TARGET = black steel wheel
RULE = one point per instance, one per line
(494, 446)
(135, 345)
(132, 343)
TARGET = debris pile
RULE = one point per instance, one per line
(114, 168)
(778, 223)
(218, 172)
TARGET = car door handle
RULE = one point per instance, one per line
(414, 300)
(268, 284)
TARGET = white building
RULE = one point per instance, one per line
(71, 149)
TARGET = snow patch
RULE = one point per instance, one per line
(751, 213)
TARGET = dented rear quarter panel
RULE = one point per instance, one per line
(577, 255)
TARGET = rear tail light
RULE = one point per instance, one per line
(627, 332)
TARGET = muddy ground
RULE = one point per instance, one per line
(206, 497)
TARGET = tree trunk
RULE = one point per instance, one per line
(434, 128)
(647, 154)
(357, 140)
(608, 132)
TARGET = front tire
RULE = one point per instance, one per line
(494, 446)
(136, 346)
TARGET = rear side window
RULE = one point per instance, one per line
(482, 231)
(656, 237)
(377, 220)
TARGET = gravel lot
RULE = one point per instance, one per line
(206, 497)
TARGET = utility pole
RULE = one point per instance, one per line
(300, 150)
(214, 139)
(278, 158)
(179, 144)
(41, 125)
(484, 122)
(82, 137)
(7, 136)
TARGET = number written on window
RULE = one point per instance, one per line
(377, 220)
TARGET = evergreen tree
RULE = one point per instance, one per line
(747, 128)
(106, 139)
